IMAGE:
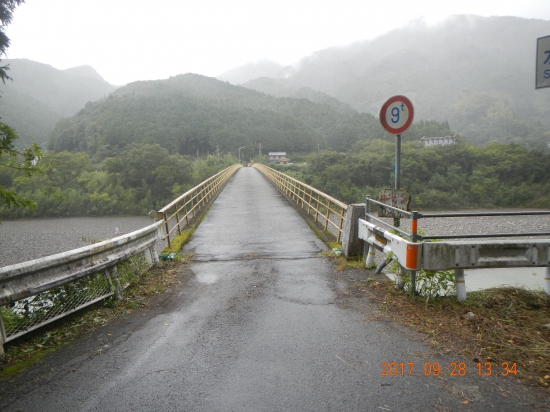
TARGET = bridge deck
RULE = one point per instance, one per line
(262, 322)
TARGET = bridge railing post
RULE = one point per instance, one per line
(3, 337)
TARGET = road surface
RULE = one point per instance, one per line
(260, 322)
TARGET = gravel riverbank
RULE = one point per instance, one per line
(22, 240)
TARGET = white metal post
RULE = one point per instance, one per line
(547, 280)
(460, 284)
(370, 256)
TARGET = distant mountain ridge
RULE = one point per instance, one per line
(461, 62)
(191, 113)
(40, 95)
(84, 71)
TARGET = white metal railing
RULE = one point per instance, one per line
(416, 252)
(324, 208)
(43, 290)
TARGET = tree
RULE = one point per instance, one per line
(6, 14)
(21, 160)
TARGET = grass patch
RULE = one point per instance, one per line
(340, 261)
(29, 349)
(178, 241)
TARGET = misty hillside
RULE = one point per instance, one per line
(40, 95)
(249, 71)
(85, 71)
(475, 72)
(190, 112)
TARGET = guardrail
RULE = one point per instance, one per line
(324, 208)
(43, 290)
(180, 211)
(415, 252)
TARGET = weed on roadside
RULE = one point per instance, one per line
(495, 325)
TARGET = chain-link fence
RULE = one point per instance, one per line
(27, 314)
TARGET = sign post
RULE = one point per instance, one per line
(396, 116)
(543, 63)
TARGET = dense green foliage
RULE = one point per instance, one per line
(440, 177)
(142, 178)
(191, 113)
(18, 161)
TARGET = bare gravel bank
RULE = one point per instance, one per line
(22, 240)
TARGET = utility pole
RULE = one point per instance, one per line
(240, 153)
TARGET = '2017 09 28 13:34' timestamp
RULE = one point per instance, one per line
(454, 369)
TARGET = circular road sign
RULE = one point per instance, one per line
(396, 115)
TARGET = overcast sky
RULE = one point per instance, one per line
(128, 40)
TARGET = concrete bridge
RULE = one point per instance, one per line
(260, 322)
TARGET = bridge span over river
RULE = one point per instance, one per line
(260, 322)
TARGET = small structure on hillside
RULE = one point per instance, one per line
(439, 141)
(278, 158)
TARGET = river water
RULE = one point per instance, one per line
(22, 240)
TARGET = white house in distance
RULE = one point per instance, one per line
(278, 158)
(438, 141)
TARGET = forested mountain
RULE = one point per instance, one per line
(475, 72)
(190, 112)
(40, 95)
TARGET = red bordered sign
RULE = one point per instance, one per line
(396, 115)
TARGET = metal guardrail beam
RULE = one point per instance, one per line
(457, 255)
(486, 254)
(408, 254)
(26, 279)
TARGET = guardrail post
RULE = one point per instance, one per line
(167, 229)
(186, 214)
(369, 249)
(317, 208)
(178, 219)
(460, 281)
(112, 275)
(414, 232)
(3, 337)
(351, 244)
(327, 216)
(154, 255)
(547, 280)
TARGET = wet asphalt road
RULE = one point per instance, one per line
(262, 323)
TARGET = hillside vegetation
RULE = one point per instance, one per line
(190, 113)
(475, 72)
(39, 95)
(459, 176)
